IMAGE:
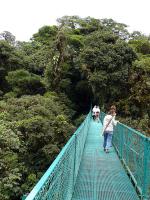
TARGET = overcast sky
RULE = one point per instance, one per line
(23, 18)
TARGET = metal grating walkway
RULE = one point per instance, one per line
(101, 176)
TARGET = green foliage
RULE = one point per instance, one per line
(22, 82)
(32, 132)
(10, 59)
(79, 25)
(107, 61)
(36, 55)
(7, 36)
(79, 120)
(140, 92)
(141, 45)
(10, 174)
(117, 28)
(73, 64)
(139, 124)
(46, 34)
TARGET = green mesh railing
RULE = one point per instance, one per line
(59, 180)
(134, 151)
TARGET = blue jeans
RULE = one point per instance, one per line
(107, 139)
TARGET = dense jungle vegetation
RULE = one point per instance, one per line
(47, 86)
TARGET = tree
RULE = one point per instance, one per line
(140, 92)
(48, 83)
(9, 37)
(117, 28)
(22, 82)
(46, 35)
(79, 25)
(10, 59)
(107, 61)
(32, 132)
(54, 70)
(10, 174)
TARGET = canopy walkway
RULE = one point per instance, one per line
(83, 171)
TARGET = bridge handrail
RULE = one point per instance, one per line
(59, 179)
(133, 149)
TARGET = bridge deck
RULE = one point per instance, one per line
(101, 176)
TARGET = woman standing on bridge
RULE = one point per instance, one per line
(108, 126)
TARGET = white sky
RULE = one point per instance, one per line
(23, 18)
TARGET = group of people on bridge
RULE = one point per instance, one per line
(108, 125)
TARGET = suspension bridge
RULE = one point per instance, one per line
(83, 171)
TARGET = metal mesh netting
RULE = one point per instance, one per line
(82, 171)
(59, 180)
(134, 150)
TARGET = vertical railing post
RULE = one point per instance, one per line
(145, 177)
